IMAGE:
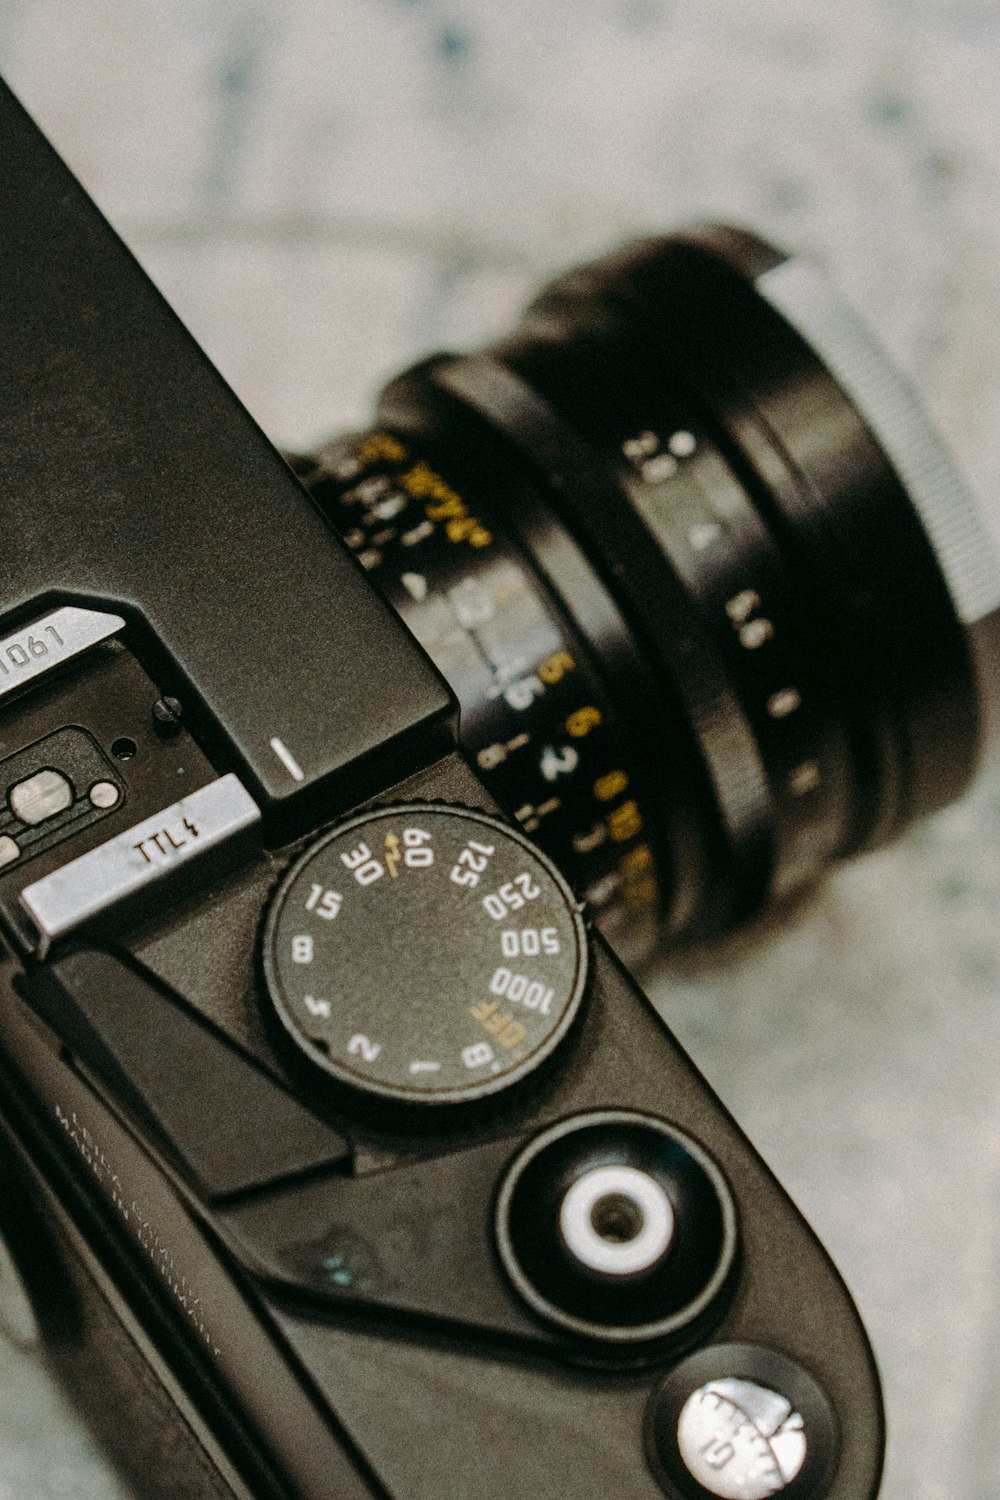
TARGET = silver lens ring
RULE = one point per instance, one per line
(965, 543)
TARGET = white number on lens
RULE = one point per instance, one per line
(521, 695)
(478, 1055)
(556, 763)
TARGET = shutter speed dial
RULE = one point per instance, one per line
(425, 953)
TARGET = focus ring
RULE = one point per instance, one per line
(965, 547)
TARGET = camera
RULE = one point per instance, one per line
(345, 1151)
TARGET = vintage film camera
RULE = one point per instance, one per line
(339, 1150)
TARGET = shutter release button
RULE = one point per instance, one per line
(617, 1219)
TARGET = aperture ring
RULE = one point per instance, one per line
(703, 517)
(654, 601)
(901, 660)
(539, 726)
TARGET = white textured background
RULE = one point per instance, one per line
(327, 190)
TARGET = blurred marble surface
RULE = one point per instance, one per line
(326, 191)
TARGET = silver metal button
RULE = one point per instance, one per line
(740, 1440)
(41, 796)
(104, 794)
(137, 858)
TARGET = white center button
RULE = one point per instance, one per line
(617, 1220)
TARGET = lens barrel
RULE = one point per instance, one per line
(692, 482)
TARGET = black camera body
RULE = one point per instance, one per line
(494, 1235)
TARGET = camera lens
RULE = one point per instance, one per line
(716, 606)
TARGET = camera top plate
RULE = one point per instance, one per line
(110, 412)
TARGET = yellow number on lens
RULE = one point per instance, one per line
(625, 822)
(606, 787)
(582, 721)
(554, 667)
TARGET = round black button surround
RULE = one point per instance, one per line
(425, 953)
(663, 1294)
(709, 1371)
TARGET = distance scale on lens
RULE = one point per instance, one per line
(425, 953)
(545, 735)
